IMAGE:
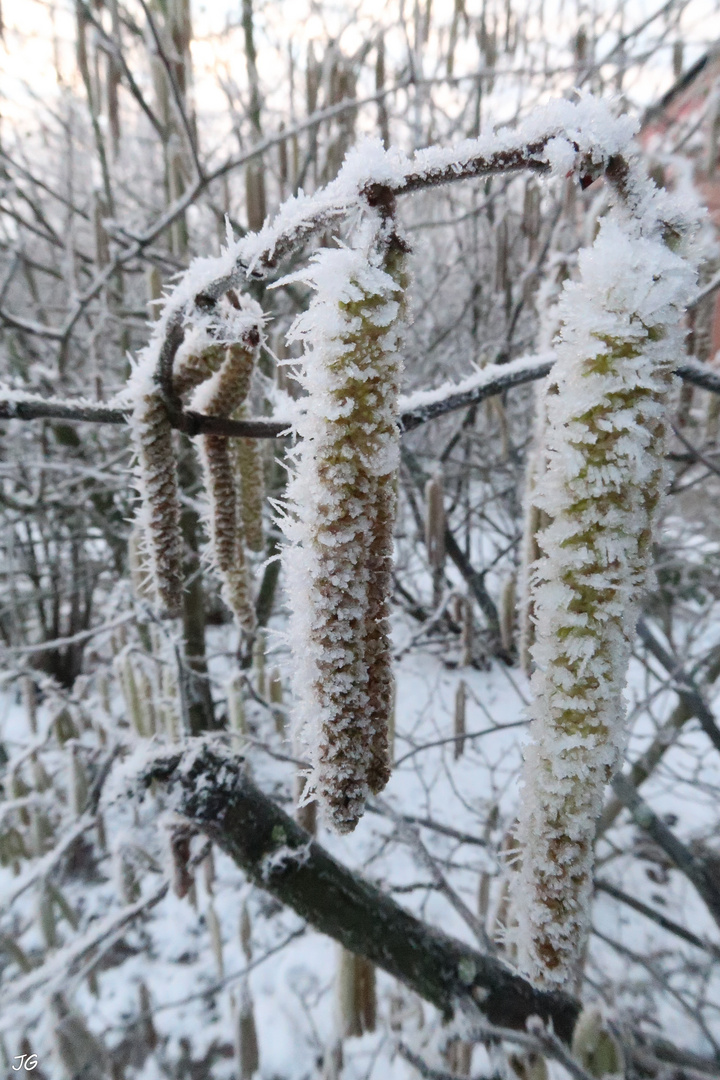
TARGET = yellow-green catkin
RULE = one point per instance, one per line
(342, 502)
(601, 490)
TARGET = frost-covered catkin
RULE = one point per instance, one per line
(248, 468)
(221, 395)
(601, 489)
(341, 512)
(160, 507)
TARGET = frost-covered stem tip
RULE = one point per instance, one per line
(342, 501)
(601, 488)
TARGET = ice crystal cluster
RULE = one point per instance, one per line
(340, 517)
(601, 490)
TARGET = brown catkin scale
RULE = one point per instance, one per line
(161, 505)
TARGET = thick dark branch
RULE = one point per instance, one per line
(215, 793)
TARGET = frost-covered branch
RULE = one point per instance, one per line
(416, 409)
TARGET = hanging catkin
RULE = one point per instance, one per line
(435, 534)
(248, 470)
(222, 395)
(159, 516)
(342, 507)
(356, 998)
(601, 489)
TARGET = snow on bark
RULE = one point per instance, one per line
(602, 487)
(340, 517)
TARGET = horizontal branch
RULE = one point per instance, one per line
(214, 792)
(415, 410)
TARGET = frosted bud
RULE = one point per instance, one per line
(333, 1061)
(255, 195)
(467, 633)
(246, 932)
(58, 898)
(259, 664)
(678, 58)
(713, 131)
(246, 1040)
(531, 213)
(124, 876)
(236, 705)
(125, 672)
(459, 728)
(275, 690)
(215, 939)
(40, 831)
(79, 1052)
(435, 522)
(46, 914)
(458, 1056)
(29, 699)
(507, 613)
(484, 883)
(148, 1034)
(64, 725)
(594, 1046)
(182, 876)
(77, 782)
(12, 848)
(502, 278)
(529, 1066)
(355, 987)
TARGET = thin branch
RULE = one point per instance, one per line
(693, 868)
(657, 917)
